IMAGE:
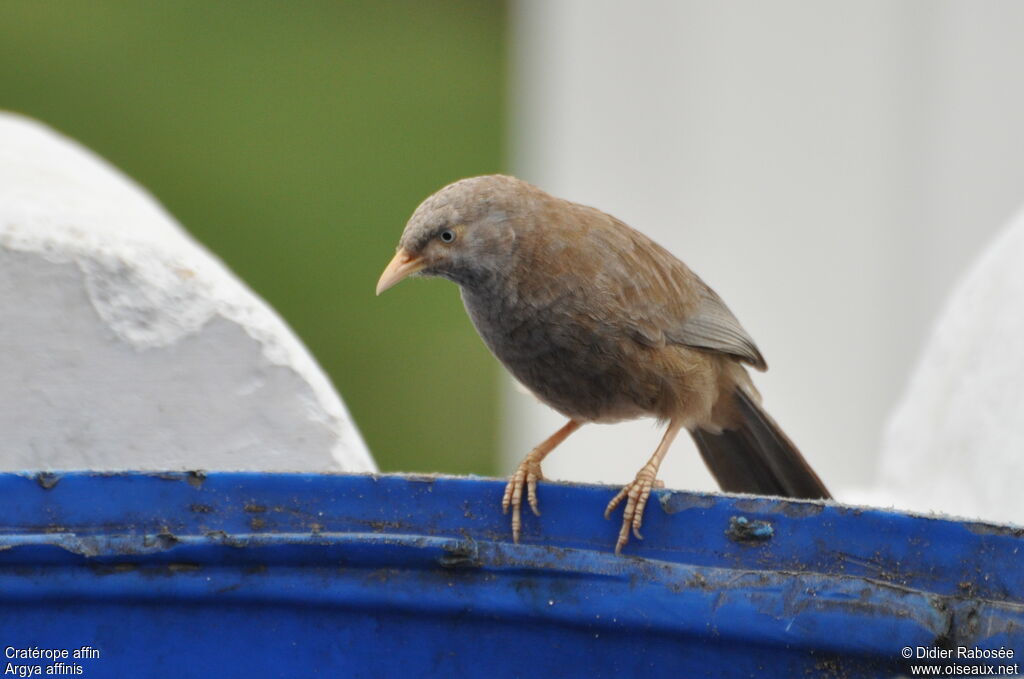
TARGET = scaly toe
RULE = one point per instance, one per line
(615, 502)
(638, 514)
(531, 493)
(623, 539)
(527, 474)
(636, 494)
(516, 525)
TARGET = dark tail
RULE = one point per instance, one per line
(757, 457)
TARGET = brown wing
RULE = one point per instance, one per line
(657, 296)
(714, 327)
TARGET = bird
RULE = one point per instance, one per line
(602, 324)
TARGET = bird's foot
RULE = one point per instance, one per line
(635, 494)
(527, 474)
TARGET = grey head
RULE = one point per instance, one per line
(465, 232)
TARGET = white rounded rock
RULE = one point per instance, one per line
(124, 344)
(955, 441)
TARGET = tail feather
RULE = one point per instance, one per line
(757, 456)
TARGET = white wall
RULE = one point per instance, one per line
(828, 167)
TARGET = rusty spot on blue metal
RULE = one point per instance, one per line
(992, 529)
(749, 532)
(461, 555)
(162, 540)
(773, 505)
(194, 478)
(673, 502)
(47, 480)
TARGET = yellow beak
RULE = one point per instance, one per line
(400, 267)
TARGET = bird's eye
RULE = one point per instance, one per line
(447, 236)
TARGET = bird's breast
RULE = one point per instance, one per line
(574, 362)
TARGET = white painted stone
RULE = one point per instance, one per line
(955, 442)
(124, 344)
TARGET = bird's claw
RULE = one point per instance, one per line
(527, 474)
(635, 494)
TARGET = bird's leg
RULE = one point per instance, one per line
(528, 473)
(636, 492)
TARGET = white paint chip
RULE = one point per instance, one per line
(124, 344)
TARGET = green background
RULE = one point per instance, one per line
(294, 139)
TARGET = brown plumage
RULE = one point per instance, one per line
(602, 324)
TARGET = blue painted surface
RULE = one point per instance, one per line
(260, 575)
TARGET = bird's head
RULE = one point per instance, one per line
(463, 232)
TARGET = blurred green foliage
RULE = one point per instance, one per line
(294, 139)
